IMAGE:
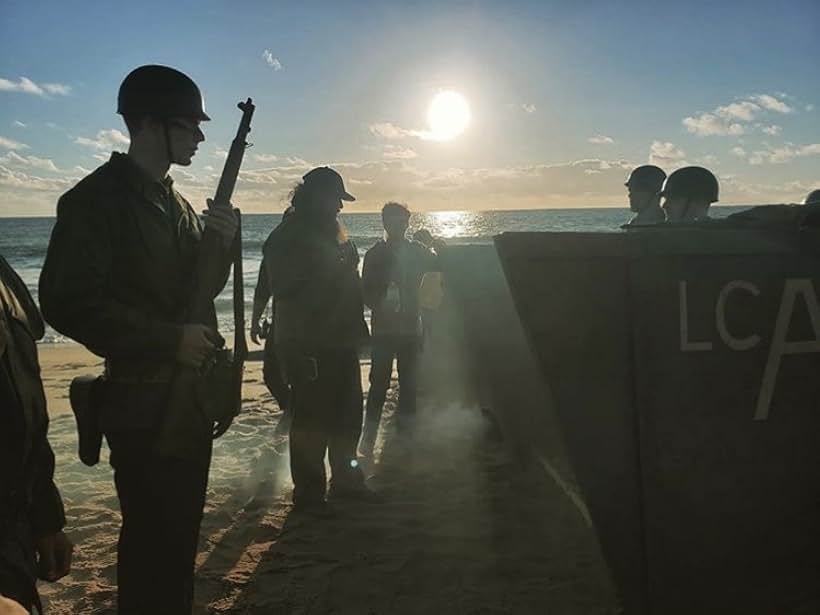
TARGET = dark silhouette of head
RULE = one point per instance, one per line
(319, 197)
(162, 109)
(644, 186)
(424, 236)
(812, 198)
(688, 192)
(396, 220)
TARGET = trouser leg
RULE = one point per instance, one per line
(161, 501)
(408, 367)
(272, 375)
(308, 439)
(381, 368)
(346, 425)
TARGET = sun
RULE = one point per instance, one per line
(448, 116)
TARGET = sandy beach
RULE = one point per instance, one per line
(460, 529)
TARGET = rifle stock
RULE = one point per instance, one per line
(198, 399)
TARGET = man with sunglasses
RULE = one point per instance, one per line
(122, 264)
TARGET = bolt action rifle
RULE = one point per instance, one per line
(203, 403)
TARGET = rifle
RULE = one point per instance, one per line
(202, 403)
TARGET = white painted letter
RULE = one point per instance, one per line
(780, 346)
(720, 316)
(685, 344)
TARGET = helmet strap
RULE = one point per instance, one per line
(166, 131)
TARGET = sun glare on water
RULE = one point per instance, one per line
(448, 116)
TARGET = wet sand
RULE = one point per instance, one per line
(460, 529)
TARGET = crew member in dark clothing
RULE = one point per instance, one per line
(32, 542)
(271, 370)
(121, 267)
(391, 278)
(319, 328)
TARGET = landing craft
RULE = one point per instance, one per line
(683, 367)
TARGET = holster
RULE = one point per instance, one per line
(221, 389)
(84, 397)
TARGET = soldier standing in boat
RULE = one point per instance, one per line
(32, 542)
(121, 267)
(319, 328)
(688, 193)
(644, 186)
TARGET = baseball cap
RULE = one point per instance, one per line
(325, 178)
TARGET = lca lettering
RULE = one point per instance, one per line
(779, 346)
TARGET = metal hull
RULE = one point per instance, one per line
(685, 371)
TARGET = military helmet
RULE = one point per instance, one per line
(813, 198)
(648, 178)
(162, 92)
(692, 182)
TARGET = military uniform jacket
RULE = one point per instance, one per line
(30, 505)
(120, 270)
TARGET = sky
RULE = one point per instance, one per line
(564, 98)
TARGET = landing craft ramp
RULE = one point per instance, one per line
(685, 370)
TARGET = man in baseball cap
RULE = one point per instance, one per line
(327, 181)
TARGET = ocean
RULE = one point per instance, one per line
(23, 241)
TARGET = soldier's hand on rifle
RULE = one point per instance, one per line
(197, 345)
(222, 220)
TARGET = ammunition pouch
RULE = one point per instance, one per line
(84, 395)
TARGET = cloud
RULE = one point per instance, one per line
(27, 86)
(772, 130)
(20, 180)
(11, 144)
(601, 140)
(386, 130)
(772, 104)
(397, 152)
(220, 153)
(43, 164)
(528, 108)
(709, 124)
(666, 155)
(274, 63)
(108, 139)
(783, 154)
(20, 124)
(729, 120)
(265, 158)
(809, 108)
(739, 151)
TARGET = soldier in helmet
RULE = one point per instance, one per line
(644, 186)
(688, 193)
(812, 198)
(121, 266)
